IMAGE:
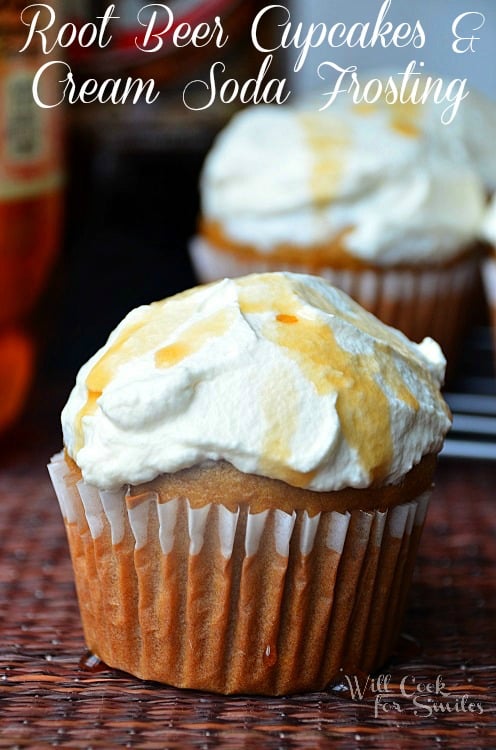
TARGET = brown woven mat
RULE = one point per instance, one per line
(47, 700)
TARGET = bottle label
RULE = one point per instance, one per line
(168, 64)
(31, 143)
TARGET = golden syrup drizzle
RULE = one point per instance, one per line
(353, 377)
(405, 120)
(102, 372)
(160, 321)
(358, 318)
(283, 421)
(403, 117)
(194, 337)
(328, 141)
(362, 405)
(309, 341)
(171, 354)
(269, 292)
(364, 109)
(282, 318)
(276, 446)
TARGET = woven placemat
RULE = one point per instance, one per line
(48, 699)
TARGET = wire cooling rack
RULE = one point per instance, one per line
(472, 399)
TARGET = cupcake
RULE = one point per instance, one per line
(366, 197)
(245, 475)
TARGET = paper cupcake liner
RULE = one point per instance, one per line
(414, 300)
(231, 601)
(489, 278)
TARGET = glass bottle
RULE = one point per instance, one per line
(30, 203)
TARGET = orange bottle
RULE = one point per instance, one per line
(30, 203)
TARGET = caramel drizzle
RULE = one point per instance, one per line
(356, 378)
(362, 405)
(161, 321)
(404, 117)
(328, 142)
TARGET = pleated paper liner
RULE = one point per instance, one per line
(430, 301)
(234, 602)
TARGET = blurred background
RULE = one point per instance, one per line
(102, 198)
(436, 17)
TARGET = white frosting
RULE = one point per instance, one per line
(278, 175)
(470, 137)
(214, 374)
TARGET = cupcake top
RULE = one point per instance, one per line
(281, 375)
(370, 176)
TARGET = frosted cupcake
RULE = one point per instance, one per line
(246, 472)
(361, 197)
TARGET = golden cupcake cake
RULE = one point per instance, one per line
(245, 476)
(384, 201)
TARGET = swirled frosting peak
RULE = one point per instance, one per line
(281, 375)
